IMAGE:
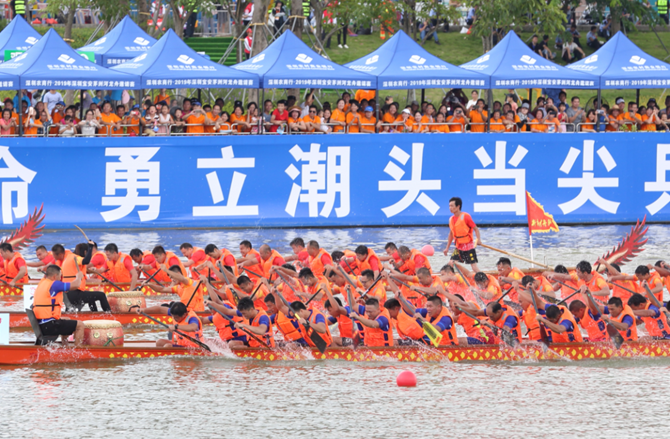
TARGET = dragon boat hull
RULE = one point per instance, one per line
(20, 319)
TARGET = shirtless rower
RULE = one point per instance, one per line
(461, 229)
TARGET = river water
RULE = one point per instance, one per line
(237, 398)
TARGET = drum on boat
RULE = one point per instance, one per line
(103, 333)
(123, 300)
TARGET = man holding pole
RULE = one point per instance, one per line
(461, 228)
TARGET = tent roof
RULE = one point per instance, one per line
(52, 63)
(289, 63)
(18, 35)
(621, 64)
(511, 64)
(126, 41)
(171, 63)
(401, 63)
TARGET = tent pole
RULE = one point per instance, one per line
(423, 95)
(377, 103)
(489, 98)
(598, 107)
(637, 97)
(530, 99)
(200, 95)
(20, 111)
(81, 105)
(261, 105)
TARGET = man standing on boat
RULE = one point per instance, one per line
(461, 228)
(48, 304)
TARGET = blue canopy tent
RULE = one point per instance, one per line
(126, 41)
(18, 35)
(52, 63)
(401, 63)
(620, 64)
(171, 63)
(290, 63)
(511, 64)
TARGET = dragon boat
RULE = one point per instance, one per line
(20, 319)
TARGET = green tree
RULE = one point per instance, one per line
(624, 12)
(66, 9)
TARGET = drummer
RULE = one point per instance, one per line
(48, 304)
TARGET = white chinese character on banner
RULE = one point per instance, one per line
(501, 172)
(22, 177)
(587, 182)
(413, 187)
(661, 184)
(227, 161)
(324, 175)
(134, 172)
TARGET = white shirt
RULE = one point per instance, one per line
(471, 103)
(51, 99)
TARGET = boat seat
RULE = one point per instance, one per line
(40, 339)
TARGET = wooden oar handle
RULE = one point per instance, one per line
(515, 256)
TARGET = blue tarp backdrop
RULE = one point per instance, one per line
(311, 180)
(18, 35)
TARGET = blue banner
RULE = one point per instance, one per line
(330, 180)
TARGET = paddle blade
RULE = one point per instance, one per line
(508, 339)
(356, 339)
(319, 342)
(615, 336)
(433, 333)
(549, 299)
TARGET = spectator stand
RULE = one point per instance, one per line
(52, 64)
(289, 63)
(401, 63)
(18, 35)
(620, 64)
(511, 64)
(124, 42)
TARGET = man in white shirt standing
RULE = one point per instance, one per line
(51, 99)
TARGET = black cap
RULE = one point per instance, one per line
(237, 104)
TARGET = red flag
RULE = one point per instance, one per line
(539, 221)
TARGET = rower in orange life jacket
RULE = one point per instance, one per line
(300, 258)
(190, 292)
(196, 260)
(570, 280)
(269, 259)
(461, 229)
(413, 260)
(508, 274)
(488, 288)
(44, 258)
(596, 329)
(368, 260)
(392, 256)
(348, 261)
(256, 321)
(74, 263)
(408, 327)
(421, 285)
(318, 258)
(288, 326)
(621, 317)
(655, 321)
(651, 280)
(339, 314)
(250, 262)
(120, 267)
(162, 257)
(476, 333)
(224, 256)
(16, 270)
(528, 313)
(593, 281)
(98, 261)
(246, 288)
(502, 317)
(377, 322)
(225, 328)
(311, 320)
(620, 282)
(314, 287)
(48, 304)
(558, 322)
(184, 321)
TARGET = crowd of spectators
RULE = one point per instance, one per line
(163, 116)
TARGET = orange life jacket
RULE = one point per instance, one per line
(225, 327)
(197, 302)
(365, 264)
(259, 298)
(631, 332)
(449, 336)
(410, 264)
(162, 277)
(516, 331)
(70, 269)
(306, 333)
(461, 231)
(290, 328)
(45, 306)
(104, 256)
(256, 268)
(378, 337)
(532, 325)
(315, 263)
(408, 327)
(199, 265)
(197, 334)
(224, 254)
(346, 326)
(566, 291)
(118, 270)
(653, 281)
(574, 336)
(619, 292)
(354, 264)
(514, 274)
(11, 271)
(596, 330)
(267, 263)
(60, 262)
(493, 288)
(656, 327)
(267, 337)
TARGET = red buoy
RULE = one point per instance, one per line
(406, 378)
(428, 250)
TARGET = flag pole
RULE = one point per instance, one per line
(530, 232)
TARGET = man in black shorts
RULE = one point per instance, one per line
(461, 230)
(48, 303)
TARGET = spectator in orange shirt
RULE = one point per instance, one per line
(133, 120)
(346, 96)
(312, 121)
(238, 118)
(162, 96)
(295, 123)
(553, 124)
(650, 119)
(510, 121)
(57, 114)
(630, 119)
(478, 117)
(364, 94)
(368, 121)
(536, 125)
(108, 120)
(32, 123)
(440, 125)
(496, 123)
(223, 125)
(458, 121)
(428, 117)
(212, 119)
(408, 120)
(390, 120)
(613, 124)
(589, 126)
(353, 118)
(418, 126)
(196, 119)
(338, 117)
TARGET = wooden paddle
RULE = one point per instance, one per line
(318, 341)
(346, 276)
(656, 303)
(236, 298)
(543, 331)
(371, 286)
(186, 336)
(288, 284)
(507, 336)
(408, 287)
(7, 283)
(251, 272)
(255, 291)
(566, 299)
(480, 302)
(249, 333)
(149, 278)
(613, 332)
(110, 282)
(504, 294)
(194, 292)
(82, 232)
(356, 336)
(514, 256)
(313, 296)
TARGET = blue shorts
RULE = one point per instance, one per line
(472, 340)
